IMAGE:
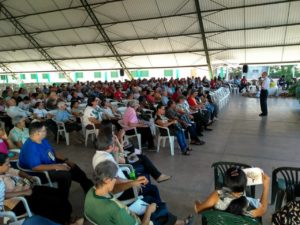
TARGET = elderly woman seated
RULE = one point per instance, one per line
(42, 200)
(19, 133)
(103, 208)
(130, 120)
(62, 115)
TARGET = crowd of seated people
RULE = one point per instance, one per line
(180, 105)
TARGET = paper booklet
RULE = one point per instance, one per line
(138, 207)
(254, 176)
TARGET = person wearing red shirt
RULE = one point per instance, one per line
(150, 98)
(118, 95)
(176, 94)
(193, 102)
(244, 83)
(213, 83)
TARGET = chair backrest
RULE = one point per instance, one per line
(291, 177)
(213, 217)
(219, 173)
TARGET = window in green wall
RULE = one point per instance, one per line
(168, 73)
(33, 76)
(144, 73)
(3, 77)
(114, 74)
(79, 75)
(134, 73)
(45, 76)
(140, 73)
(97, 74)
(61, 76)
(22, 76)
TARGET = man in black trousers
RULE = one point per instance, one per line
(264, 94)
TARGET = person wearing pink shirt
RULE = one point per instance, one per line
(130, 120)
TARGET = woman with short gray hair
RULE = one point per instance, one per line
(103, 208)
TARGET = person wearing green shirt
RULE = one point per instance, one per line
(101, 207)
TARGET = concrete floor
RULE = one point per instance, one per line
(239, 135)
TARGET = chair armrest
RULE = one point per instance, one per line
(166, 128)
(16, 150)
(37, 180)
(10, 215)
(126, 167)
(46, 174)
(26, 206)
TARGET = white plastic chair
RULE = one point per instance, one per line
(38, 180)
(164, 138)
(127, 168)
(12, 216)
(61, 130)
(136, 134)
(88, 132)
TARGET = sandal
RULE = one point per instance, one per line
(189, 220)
(163, 178)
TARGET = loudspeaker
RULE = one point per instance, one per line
(245, 68)
(121, 72)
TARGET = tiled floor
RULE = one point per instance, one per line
(240, 135)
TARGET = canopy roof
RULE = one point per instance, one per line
(146, 33)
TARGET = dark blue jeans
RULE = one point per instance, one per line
(181, 140)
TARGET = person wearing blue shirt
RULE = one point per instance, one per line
(38, 155)
(62, 115)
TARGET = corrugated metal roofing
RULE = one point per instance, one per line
(150, 33)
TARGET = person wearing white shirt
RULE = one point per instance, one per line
(25, 104)
(264, 94)
(14, 110)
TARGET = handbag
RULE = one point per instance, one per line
(288, 214)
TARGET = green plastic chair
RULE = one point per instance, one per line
(217, 217)
(284, 182)
(219, 172)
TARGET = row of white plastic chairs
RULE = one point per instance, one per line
(221, 96)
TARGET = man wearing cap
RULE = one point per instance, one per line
(19, 134)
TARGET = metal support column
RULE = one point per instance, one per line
(203, 37)
(101, 30)
(32, 41)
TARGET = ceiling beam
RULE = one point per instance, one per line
(114, 1)
(103, 69)
(101, 30)
(154, 37)
(248, 6)
(32, 41)
(60, 10)
(103, 24)
(202, 31)
(156, 53)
